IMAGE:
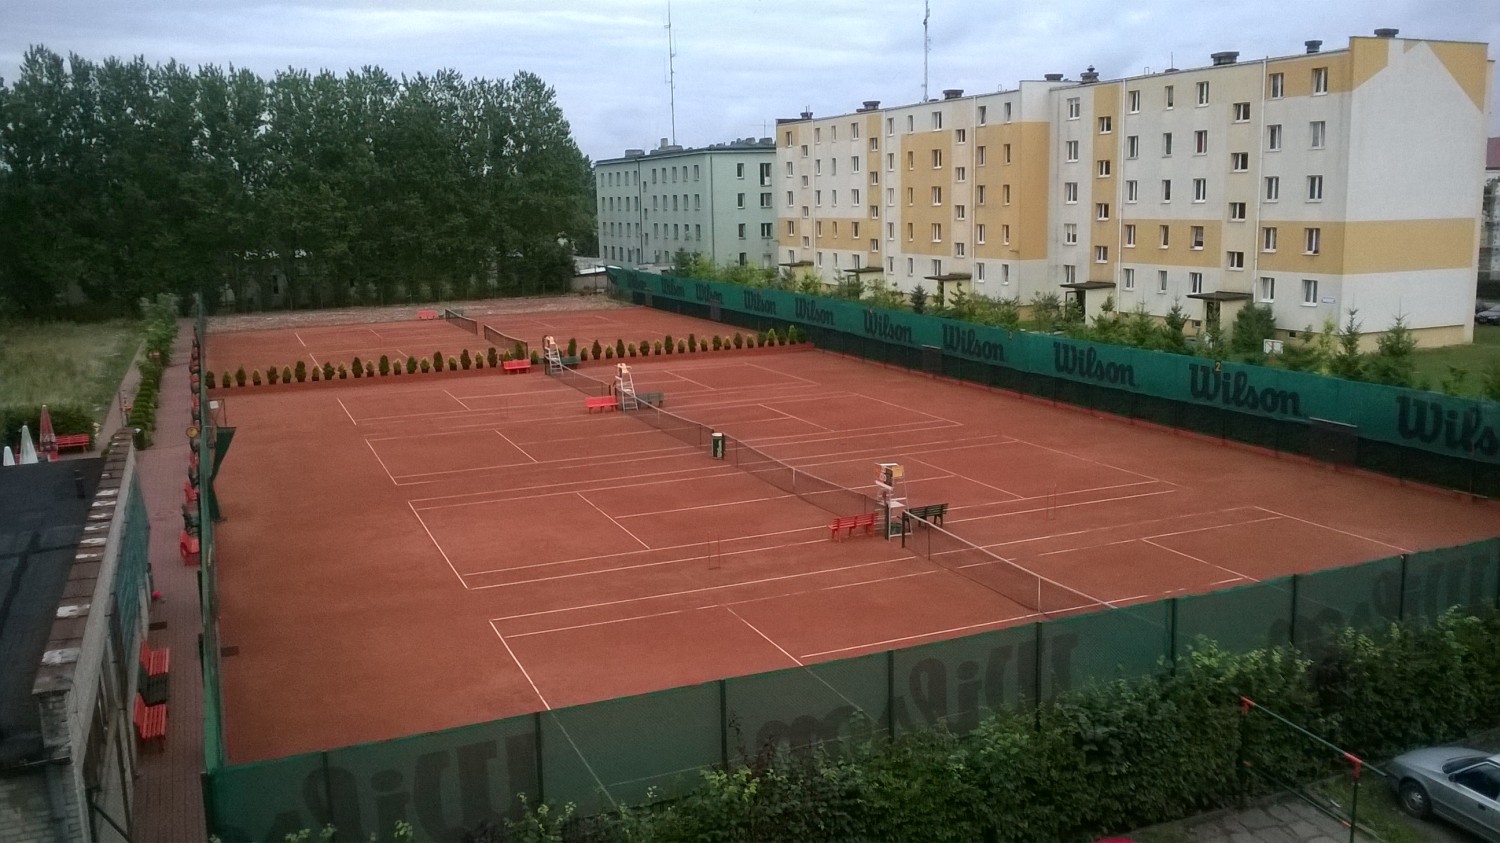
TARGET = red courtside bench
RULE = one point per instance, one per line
(73, 440)
(602, 403)
(517, 365)
(427, 314)
(849, 523)
(150, 722)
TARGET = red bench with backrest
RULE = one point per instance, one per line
(188, 549)
(427, 314)
(517, 365)
(849, 523)
(155, 662)
(150, 722)
(602, 403)
(74, 440)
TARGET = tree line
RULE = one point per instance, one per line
(121, 180)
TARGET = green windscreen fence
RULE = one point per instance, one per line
(655, 746)
(214, 755)
(1440, 439)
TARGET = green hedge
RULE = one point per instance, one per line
(161, 333)
(66, 418)
(1105, 760)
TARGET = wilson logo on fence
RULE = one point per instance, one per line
(1429, 422)
(1234, 389)
(1086, 363)
(966, 341)
(635, 282)
(880, 326)
(707, 294)
(808, 310)
(757, 303)
(672, 287)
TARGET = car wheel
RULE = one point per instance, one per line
(1414, 799)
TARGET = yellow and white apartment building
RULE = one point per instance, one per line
(1316, 183)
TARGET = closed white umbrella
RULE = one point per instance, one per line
(28, 449)
(10, 457)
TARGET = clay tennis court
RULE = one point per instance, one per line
(402, 555)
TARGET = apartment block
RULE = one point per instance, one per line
(716, 201)
(1316, 184)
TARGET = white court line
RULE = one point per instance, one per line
(637, 567)
(1013, 495)
(383, 468)
(612, 519)
(314, 359)
(529, 680)
(1063, 506)
(1337, 530)
(1200, 561)
(583, 760)
(1216, 527)
(783, 375)
(439, 547)
(756, 630)
(298, 335)
(352, 421)
(629, 553)
(462, 402)
(517, 447)
(512, 493)
(795, 418)
(889, 641)
(710, 505)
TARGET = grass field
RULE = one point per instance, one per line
(65, 363)
(1433, 363)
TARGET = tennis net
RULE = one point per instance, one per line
(683, 430)
(991, 570)
(827, 496)
(453, 317)
(517, 346)
(581, 382)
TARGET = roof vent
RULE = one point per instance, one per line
(663, 144)
(1053, 77)
(1089, 75)
(1313, 46)
(807, 115)
(952, 93)
(1387, 32)
(634, 153)
(1227, 57)
(871, 105)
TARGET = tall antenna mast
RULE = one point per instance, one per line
(926, 46)
(671, 73)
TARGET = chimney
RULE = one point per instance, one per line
(1053, 77)
(1387, 32)
(1227, 57)
(663, 144)
(807, 115)
(634, 153)
(1313, 46)
(1089, 75)
(871, 105)
(952, 93)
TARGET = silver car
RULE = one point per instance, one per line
(1459, 785)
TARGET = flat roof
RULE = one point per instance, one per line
(42, 516)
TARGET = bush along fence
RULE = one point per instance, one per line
(493, 358)
(1425, 436)
(161, 333)
(1043, 731)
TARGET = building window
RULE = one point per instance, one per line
(890, 162)
(1005, 234)
(1130, 235)
(788, 169)
(937, 232)
(874, 144)
(742, 231)
(739, 200)
(937, 195)
(1314, 188)
(1166, 190)
(979, 234)
(979, 195)
(911, 266)
(1203, 93)
(1073, 108)
(1236, 211)
(1132, 146)
(1104, 168)
(1200, 190)
(853, 229)
(1166, 145)
(984, 111)
(958, 250)
(765, 200)
(960, 174)
(1236, 260)
(1127, 278)
(1273, 188)
(1161, 281)
(1070, 274)
(937, 120)
(1200, 142)
(818, 167)
(818, 231)
(890, 231)
(1242, 112)
(1273, 137)
(1195, 283)
(1278, 86)
(1070, 234)
(959, 212)
(818, 198)
(1101, 254)
(890, 125)
(1007, 153)
(1312, 240)
(1004, 274)
(854, 196)
(739, 170)
(1196, 237)
(1005, 194)
(1166, 235)
(911, 196)
(1268, 238)
(1101, 211)
(979, 272)
(1132, 191)
(911, 123)
(1320, 80)
(960, 135)
(980, 156)
(1072, 150)
(1106, 125)
(1167, 97)
(1239, 162)
(937, 266)
(767, 232)
(911, 232)
(1309, 291)
(1006, 110)
(804, 151)
(854, 163)
(1267, 288)
(1070, 192)
(1318, 131)
(911, 159)
(937, 159)
(890, 196)
(874, 244)
(1133, 101)
(817, 138)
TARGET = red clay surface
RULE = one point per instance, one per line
(400, 556)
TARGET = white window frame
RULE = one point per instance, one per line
(1273, 189)
(1268, 237)
(1312, 241)
(1309, 292)
(1195, 283)
(1315, 188)
(1234, 260)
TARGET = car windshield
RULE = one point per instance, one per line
(1457, 764)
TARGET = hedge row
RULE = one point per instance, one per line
(1108, 759)
(66, 418)
(161, 332)
(357, 368)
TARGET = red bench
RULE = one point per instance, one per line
(74, 440)
(427, 314)
(150, 722)
(188, 548)
(517, 365)
(849, 523)
(601, 403)
(155, 662)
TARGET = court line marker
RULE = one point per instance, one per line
(517, 447)
(612, 520)
(524, 672)
(708, 505)
(797, 418)
(351, 418)
(298, 335)
(383, 467)
(994, 623)
(441, 552)
(1200, 561)
(637, 567)
(1337, 530)
(756, 630)
(1015, 496)
(461, 402)
(630, 553)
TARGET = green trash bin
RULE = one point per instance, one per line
(717, 442)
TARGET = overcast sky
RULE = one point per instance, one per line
(740, 64)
